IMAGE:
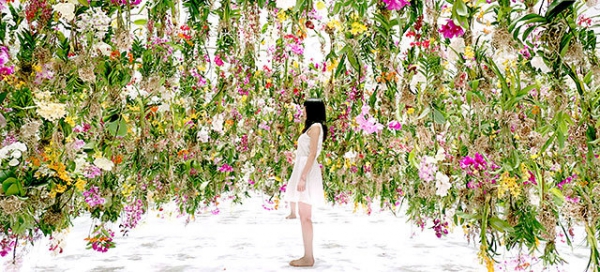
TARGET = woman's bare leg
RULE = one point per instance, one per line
(305, 211)
(292, 211)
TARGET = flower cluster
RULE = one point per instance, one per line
(95, 21)
(5, 69)
(368, 124)
(13, 153)
(92, 197)
(101, 240)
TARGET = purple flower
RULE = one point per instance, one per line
(297, 49)
(92, 172)
(92, 197)
(396, 4)
(394, 125)
(225, 168)
(79, 144)
(450, 30)
(566, 181)
(4, 56)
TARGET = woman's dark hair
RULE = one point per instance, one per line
(315, 113)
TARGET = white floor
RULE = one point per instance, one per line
(249, 238)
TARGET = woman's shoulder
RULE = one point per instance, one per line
(314, 128)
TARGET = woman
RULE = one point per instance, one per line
(305, 186)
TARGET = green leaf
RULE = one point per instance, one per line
(438, 117)
(500, 225)
(460, 8)
(412, 158)
(140, 22)
(557, 7)
(13, 189)
(84, 3)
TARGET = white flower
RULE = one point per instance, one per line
(66, 10)
(591, 3)
(538, 62)
(502, 58)
(417, 80)
(80, 164)
(286, 4)
(13, 162)
(104, 164)
(442, 182)
(217, 123)
(103, 47)
(440, 155)
(51, 111)
(202, 135)
(429, 160)
(457, 46)
(350, 155)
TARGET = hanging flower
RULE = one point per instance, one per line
(396, 4)
(442, 183)
(450, 30)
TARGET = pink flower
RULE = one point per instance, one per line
(297, 49)
(450, 30)
(394, 125)
(225, 168)
(218, 61)
(396, 4)
(79, 144)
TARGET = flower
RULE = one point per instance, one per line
(320, 5)
(442, 183)
(104, 163)
(538, 63)
(103, 48)
(285, 4)
(202, 135)
(427, 168)
(66, 10)
(357, 28)
(218, 61)
(225, 168)
(217, 123)
(51, 111)
(394, 125)
(396, 4)
(450, 30)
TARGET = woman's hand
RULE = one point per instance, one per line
(301, 184)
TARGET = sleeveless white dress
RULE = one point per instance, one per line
(313, 194)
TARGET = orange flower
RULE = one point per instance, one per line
(535, 110)
(117, 159)
(229, 122)
(183, 152)
(115, 54)
(130, 57)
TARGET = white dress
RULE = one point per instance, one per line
(313, 194)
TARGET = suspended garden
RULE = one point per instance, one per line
(478, 114)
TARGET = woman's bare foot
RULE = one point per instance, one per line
(303, 262)
(291, 216)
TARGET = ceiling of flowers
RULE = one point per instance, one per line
(481, 114)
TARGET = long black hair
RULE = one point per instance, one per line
(315, 113)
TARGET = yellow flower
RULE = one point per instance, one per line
(334, 24)
(357, 28)
(508, 183)
(80, 185)
(60, 188)
(69, 120)
(332, 65)
(469, 53)
(410, 111)
(281, 16)
(320, 5)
